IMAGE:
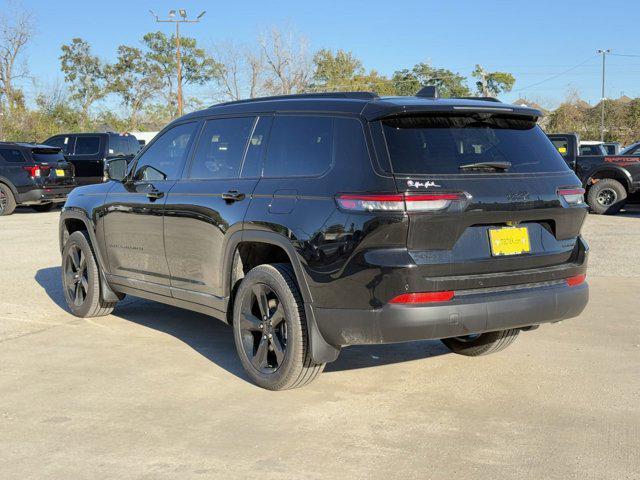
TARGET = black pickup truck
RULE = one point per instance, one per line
(607, 179)
(89, 152)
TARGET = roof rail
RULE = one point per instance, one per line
(352, 95)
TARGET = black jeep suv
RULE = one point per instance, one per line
(317, 221)
(33, 175)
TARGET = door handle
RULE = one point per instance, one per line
(233, 196)
(155, 194)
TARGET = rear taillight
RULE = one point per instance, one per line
(573, 196)
(424, 297)
(33, 171)
(424, 202)
(576, 280)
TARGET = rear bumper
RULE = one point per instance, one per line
(468, 313)
(44, 195)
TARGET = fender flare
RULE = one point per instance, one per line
(321, 351)
(108, 294)
(611, 168)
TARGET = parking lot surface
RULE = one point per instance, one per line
(156, 392)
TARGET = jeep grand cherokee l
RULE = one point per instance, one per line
(318, 221)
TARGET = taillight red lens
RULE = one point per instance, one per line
(424, 297)
(33, 171)
(573, 196)
(576, 280)
(426, 202)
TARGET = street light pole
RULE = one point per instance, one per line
(604, 57)
(183, 19)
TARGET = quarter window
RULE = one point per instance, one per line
(299, 146)
(163, 159)
(221, 148)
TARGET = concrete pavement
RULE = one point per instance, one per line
(157, 392)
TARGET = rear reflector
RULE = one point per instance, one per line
(424, 297)
(573, 196)
(576, 280)
(426, 202)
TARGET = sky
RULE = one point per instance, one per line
(534, 40)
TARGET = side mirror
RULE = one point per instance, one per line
(116, 169)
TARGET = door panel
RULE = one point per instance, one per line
(197, 224)
(134, 231)
(206, 207)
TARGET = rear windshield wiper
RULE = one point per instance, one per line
(480, 165)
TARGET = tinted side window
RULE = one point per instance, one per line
(350, 145)
(299, 146)
(87, 146)
(163, 159)
(221, 148)
(11, 155)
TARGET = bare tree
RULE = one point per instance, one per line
(289, 65)
(16, 31)
(242, 71)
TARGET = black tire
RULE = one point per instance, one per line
(483, 344)
(607, 197)
(45, 207)
(258, 341)
(7, 200)
(81, 278)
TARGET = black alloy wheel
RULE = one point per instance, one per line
(76, 281)
(263, 329)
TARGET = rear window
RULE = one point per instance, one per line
(442, 144)
(11, 155)
(51, 156)
(592, 150)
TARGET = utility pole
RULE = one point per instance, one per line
(604, 57)
(183, 19)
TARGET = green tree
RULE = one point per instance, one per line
(85, 74)
(135, 80)
(448, 83)
(342, 71)
(491, 84)
(198, 67)
(336, 70)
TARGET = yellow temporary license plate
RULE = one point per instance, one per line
(59, 173)
(509, 241)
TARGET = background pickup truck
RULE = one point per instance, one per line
(607, 179)
(89, 152)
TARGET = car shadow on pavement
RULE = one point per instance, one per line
(213, 339)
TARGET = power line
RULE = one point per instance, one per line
(556, 75)
(625, 55)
